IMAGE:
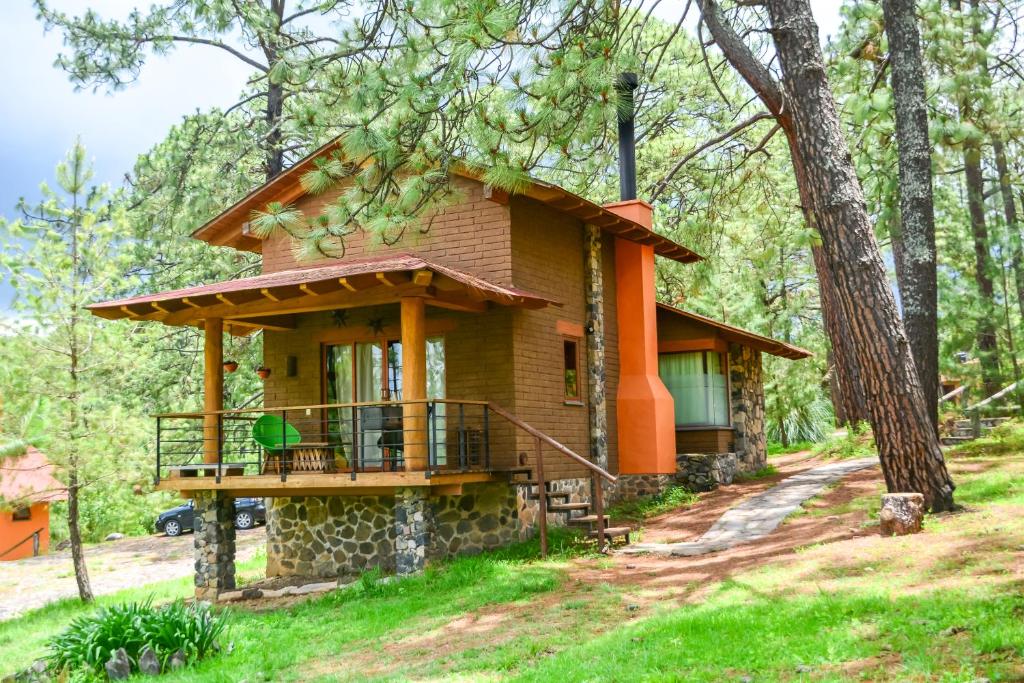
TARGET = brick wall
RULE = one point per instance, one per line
(547, 258)
(471, 235)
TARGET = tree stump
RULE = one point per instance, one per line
(901, 513)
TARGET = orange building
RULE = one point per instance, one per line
(27, 487)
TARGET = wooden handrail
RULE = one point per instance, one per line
(29, 537)
(953, 394)
(319, 406)
(597, 469)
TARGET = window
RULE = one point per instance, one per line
(697, 382)
(571, 365)
(22, 514)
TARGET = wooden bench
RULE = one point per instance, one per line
(227, 469)
(302, 457)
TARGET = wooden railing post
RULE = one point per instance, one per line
(542, 492)
(976, 423)
(599, 510)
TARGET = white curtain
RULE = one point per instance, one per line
(698, 386)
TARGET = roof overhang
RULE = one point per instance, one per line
(271, 301)
(228, 228)
(742, 337)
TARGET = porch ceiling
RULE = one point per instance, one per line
(270, 301)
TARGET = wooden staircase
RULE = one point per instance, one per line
(574, 514)
(965, 429)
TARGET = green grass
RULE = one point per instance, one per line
(739, 632)
(672, 498)
(856, 442)
(766, 471)
(776, 448)
(338, 620)
(1002, 440)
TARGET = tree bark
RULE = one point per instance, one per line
(914, 251)
(1010, 214)
(848, 394)
(985, 326)
(833, 203)
(75, 537)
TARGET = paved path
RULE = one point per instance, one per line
(759, 515)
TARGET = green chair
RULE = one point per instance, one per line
(269, 430)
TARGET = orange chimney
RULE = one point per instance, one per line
(644, 407)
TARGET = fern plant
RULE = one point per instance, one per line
(90, 641)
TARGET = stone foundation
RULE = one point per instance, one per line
(214, 543)
(529, 508)
(695, 471)
(706, 471)
(337, 536)
(746, 378)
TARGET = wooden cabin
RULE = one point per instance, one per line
(27, 488)
(452, 392)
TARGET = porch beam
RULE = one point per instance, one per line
(213, 386)
(277, 323)
(301, 304)
(393, 279)
(414, 382)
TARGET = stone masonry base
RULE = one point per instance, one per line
(214, 543)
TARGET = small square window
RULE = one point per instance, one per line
(571, 364)
(22, 514)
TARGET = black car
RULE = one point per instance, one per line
(248, 513)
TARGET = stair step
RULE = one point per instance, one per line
(551, 494)
(614, 531)
(568, 507)
(586, 519)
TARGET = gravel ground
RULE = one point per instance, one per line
(113, 566)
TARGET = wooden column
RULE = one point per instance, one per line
(213, 385)
(414, 382)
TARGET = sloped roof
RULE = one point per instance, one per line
(743, 337)
(29, 479)
(333, 275)
(225, 229)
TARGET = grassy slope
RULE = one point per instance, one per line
(871, 608)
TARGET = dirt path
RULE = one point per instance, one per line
(759, 515)
(113, 566)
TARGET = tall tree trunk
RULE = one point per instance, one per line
(75, 537)
(1010, 214)
(914, 251)
(833, 203)
(985, 326)
(75, 417)
(273, 152)
(848, 393)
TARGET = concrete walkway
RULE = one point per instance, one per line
(759, 515)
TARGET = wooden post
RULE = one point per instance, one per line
(542, 503)
(599, 510)
(414, 383)
(213, 387)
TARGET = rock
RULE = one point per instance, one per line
(746, 679)
(177, 660)
(114, 537)
(632, 608)
(630, 566)
(901, 514)
(149, 663)
(981, 680)
(118, 666)
(804, 669)
(63, 545)
(952, 630)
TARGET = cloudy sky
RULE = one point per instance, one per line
(42, 114)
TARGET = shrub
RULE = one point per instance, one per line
(90, 641)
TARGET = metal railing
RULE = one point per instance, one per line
(389, 436)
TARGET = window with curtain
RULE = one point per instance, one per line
(697, 382)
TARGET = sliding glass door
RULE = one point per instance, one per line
(371, 372)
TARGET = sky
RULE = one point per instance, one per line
(42, 113)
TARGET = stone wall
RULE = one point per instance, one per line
(529, 507)
(747, 380)
(695, 471)
(214, 544)
(705, 471)
(329, 536)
